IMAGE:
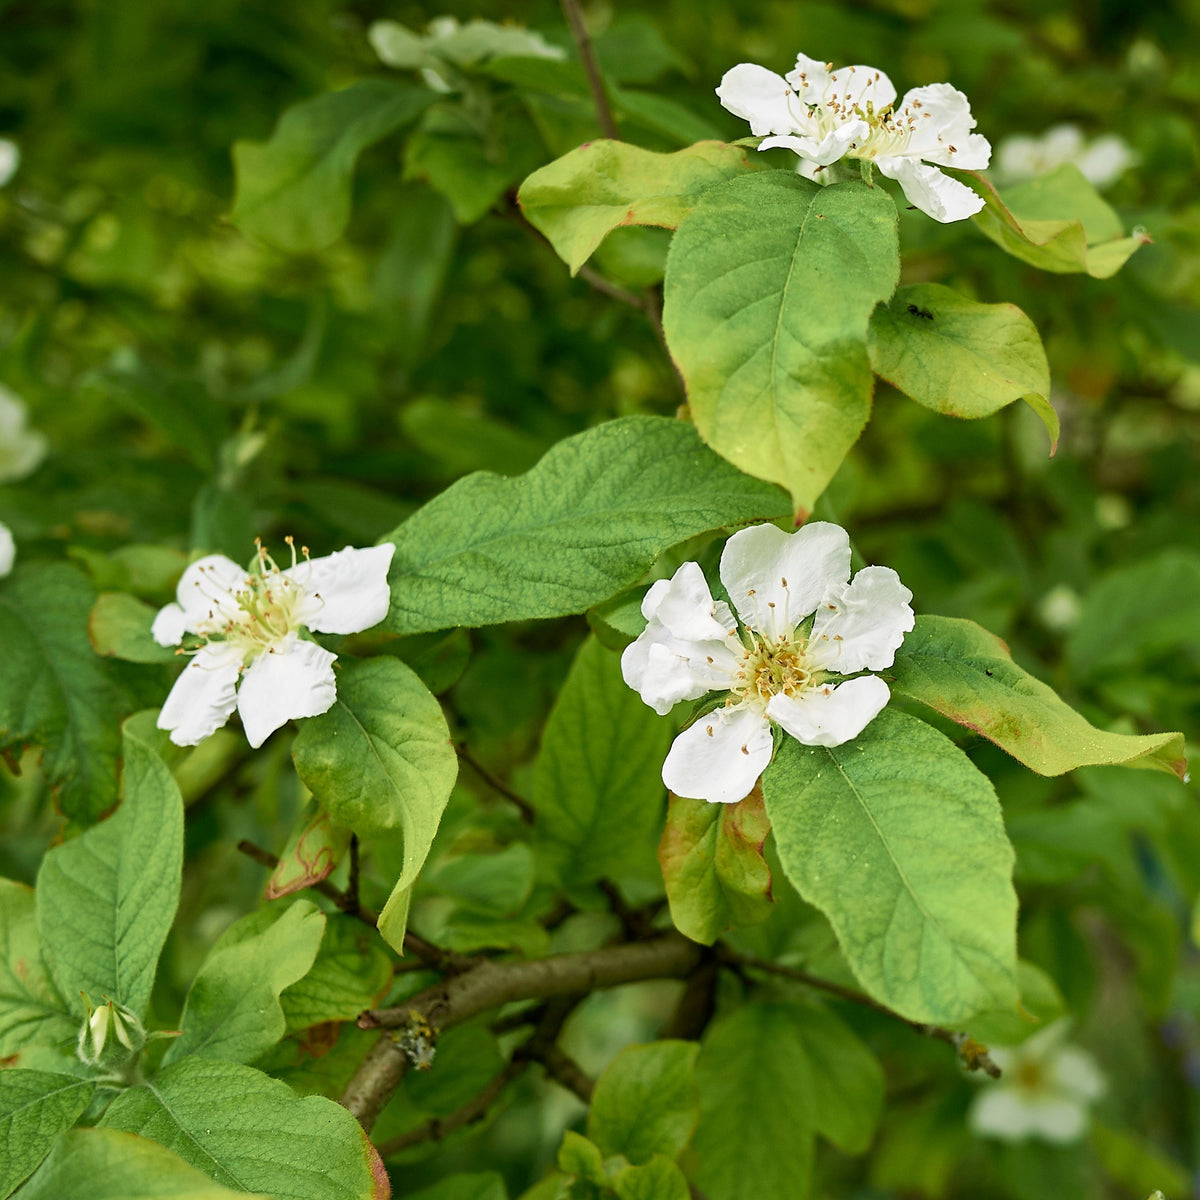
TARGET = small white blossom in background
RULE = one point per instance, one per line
(826, 115)
(250, 623)
(10, 159)
(8, 550)
(783, 668)
(1046, 1090)
(1102, 161)
(21, 448)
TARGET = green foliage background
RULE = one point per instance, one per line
(200, 387)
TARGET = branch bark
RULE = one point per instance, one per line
(587, 56)
(492, 984)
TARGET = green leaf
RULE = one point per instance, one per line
(106, 900)
(55, 691)
(898, 839)
(250, 1132)
(486, 1185)
(713, 865)
(957, 356)
(380, 761)
(967, 674)
(293, 191)
(35, 1107)
(646, 1102)
(105, 1164)
(657, 1179)
(770, 284)
(597, 783)
(314, 848)
(119, 627)
(1041, 1003)
(587, 521)
(755, 1136)
(581, 1158)
(1057, 222)
(232, 1009)
(579, 199)
(31, 1012)
(352, 972)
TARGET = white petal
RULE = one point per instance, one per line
(685, 606)
(861, 626)
(943, 119)
(295, 680)
(758, 96)
(934, 193)
(169, 625)
(830, 716)
(21, 454)
(829, 149)
(664, 669)
(1105, 160)
(206, 592)
(8, 550)
(721, 756)
(203, 696)
(347, 591)
(763, 566)
(848, 85)
(1057, 1118)
(1074, 1071)
(1001, 1112)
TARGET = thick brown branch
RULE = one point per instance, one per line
(492, 984)
(587, 56)
(973, 1055)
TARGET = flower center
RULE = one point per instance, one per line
(774, 666)
(1029, 1076)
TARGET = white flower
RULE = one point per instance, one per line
(10, 159)
(251, 623)
(783, 668)
(825, 115)
(1045, 1092)
(21, 448)
(8, 550)
(1102, 161)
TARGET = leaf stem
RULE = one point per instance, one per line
(527, 811)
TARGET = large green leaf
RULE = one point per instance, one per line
(106, 900)
(898, 839)
(579, 199)
(105, 1164)
(646, 1102)
(380, 761)
(757, 1116)
(713, 865)
(588, 520)
(233, 1009)
(960, 357)
(54, 691)
(770, 285)
(35, 1107)
(294, 190)
(1058, 222)
(248, 1131)
(967, 674)
(597, 783)
(31, 1012)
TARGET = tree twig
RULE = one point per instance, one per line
(974, 1055)
(606, 286)
(587, 56)
(492, 984)
(527, 811)
(352, 902)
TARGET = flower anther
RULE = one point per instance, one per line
(807, 631)
(251, 625)
(826, 115)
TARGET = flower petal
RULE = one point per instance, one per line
(1074, 1070)
(934, 193)
(942, 115)
(664, 669)
(861, 626)
(8, 550)
(758, 96)
(829, 149)
(721, 756)
(830, 716)
(685, 606)
(203, 696)
(1001, 1112)
(347, 591)
(776, 579)
(293, 681)
(169, 626)
(207, 593)
(1105, 160)
(849, 86)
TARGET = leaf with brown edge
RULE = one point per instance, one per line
(713, 866)
(312, 852)
(967, 674)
